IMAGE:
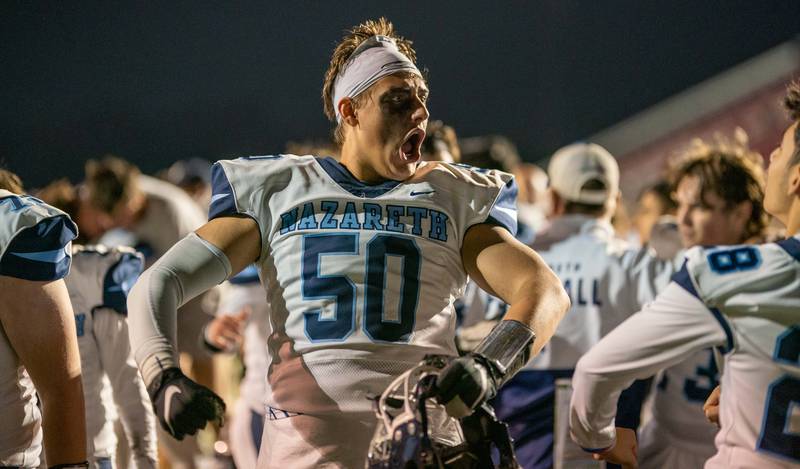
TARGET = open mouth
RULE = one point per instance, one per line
(410, 150)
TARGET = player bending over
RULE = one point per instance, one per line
(363, 259)
(743, 300)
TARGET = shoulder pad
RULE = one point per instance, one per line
(120, 277)
(233, 182)
(719, 272)
(494, 193)
(34, 238)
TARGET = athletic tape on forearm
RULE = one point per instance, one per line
(507, 348)
(188, 269)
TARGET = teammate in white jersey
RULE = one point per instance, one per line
(743, 300)
(607, 280)
(98, 286)
(38, 346)
(719, 192)
(243, 321)
(363, 260)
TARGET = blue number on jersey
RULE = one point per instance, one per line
(783, 397)
(697, 393)
(338, 287)
(80, 319)
(734, 260)
(342, 289)
(376, 326)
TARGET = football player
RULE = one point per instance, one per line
(98, 285)
(363, 259)
(607, 280)
(158, 215)
(38, 345)
(742, 300)
(719, 192)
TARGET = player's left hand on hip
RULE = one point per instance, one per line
(624, 451)
(182, 406)
(464, 384)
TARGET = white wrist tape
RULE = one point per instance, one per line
(189, 268)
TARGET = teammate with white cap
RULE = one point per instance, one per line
(607, 280)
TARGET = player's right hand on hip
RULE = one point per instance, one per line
(183, 407)
(464, 384)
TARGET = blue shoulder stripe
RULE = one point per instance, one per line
(40, 252)
(119, 280)
(223, 201)
(504, 210)
(683, 279)
(791, 246)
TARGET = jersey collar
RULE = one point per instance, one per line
(350, 183)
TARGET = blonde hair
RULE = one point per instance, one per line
(341, 54)
(10, 182)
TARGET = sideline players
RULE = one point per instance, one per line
(363, 259)
(38, 346)
(743, 300)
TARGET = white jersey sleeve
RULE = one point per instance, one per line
(98, 286)
(744, 300)
(361, 277)
(665, 332)
(34, 238)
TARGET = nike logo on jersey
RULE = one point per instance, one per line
(218, 197)
(415, 193)
(168, 394)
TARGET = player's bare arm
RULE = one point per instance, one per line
(237, 237)
(515, 273)
(47, 345)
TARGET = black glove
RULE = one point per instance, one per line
(465, 384)
(183, 407)
(473, 379)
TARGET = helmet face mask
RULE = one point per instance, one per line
(415, 432)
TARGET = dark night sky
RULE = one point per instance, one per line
(159, 81)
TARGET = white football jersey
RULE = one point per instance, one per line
(361, 277)
(170, 215)
(606, 279)
(98, 287)
(34, 245)
(744, 300)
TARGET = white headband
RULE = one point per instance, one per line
(375, 58)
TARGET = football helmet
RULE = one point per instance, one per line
(415, 432)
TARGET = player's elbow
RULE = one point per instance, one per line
(588, 369)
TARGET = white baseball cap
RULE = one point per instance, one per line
(572, 166)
